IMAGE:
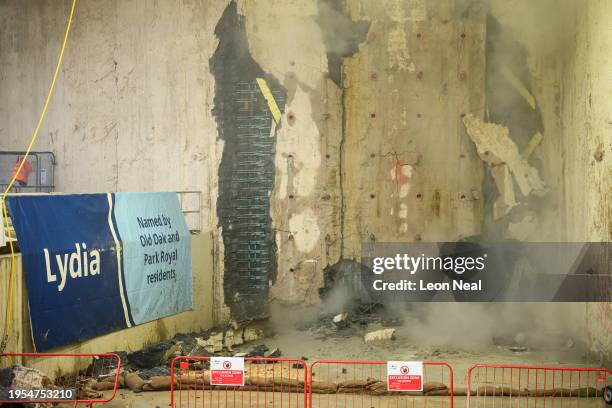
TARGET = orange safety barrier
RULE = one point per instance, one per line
(533, 386)
(66, 389)
(268, 382)
(363, 384)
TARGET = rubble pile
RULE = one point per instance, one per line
(356, 321)
(148, 369)
(18, 377)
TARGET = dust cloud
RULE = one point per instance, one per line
(477, 326)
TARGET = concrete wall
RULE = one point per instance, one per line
(133, 97)
(382, 155)
(410, 171)
(132, 339)
(587, 125)
(569, 48)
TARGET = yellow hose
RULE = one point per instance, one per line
(9, 307)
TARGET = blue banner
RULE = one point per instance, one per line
(97, 263)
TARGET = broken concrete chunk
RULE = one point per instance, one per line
(237, 338)
(506, 199)
(274, 353)
(495, 147)
(228, 339)
(380, 335)
(251, 334)
(341, 320)
(258, 351)
(20, 377)
(199, 351)
(213, 344)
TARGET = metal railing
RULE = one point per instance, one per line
(348, 384)
(525, 386)
(275, 382)
(41, 179)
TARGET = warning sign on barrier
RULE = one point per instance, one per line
(405, 375)
(227, 371)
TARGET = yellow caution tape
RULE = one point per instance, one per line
(265, 90)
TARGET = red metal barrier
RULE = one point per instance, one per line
(363, 384)
(99, 366)
(269, 382)
(525, 386)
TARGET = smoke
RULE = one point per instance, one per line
(341, 35)
(539, 25)
(477, 326)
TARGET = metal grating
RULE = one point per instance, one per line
(250, 248)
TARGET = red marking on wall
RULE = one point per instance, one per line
(397, 167)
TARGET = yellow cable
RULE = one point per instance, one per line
(9, 307)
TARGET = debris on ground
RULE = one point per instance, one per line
(20, 377)
(341, 320)
(154, 372)
(151, 356)
(380, 335)
(258, 351)
(25, 378)
(274, 353)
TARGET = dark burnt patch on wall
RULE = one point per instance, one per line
(341, 35)
(505, 55)
(504, 104)
(246, 171)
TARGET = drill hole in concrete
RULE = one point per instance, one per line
(419, 196)
(372, 196)
(291, 196)
(291, 118)
(372, 115)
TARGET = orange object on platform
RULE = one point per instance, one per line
(24, 174)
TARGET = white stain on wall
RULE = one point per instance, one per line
(305, 229)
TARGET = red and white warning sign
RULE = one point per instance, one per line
(405, 375)
(227, 371)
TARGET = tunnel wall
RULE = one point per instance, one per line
(363, 156)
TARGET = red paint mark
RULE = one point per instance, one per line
(397, 167)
